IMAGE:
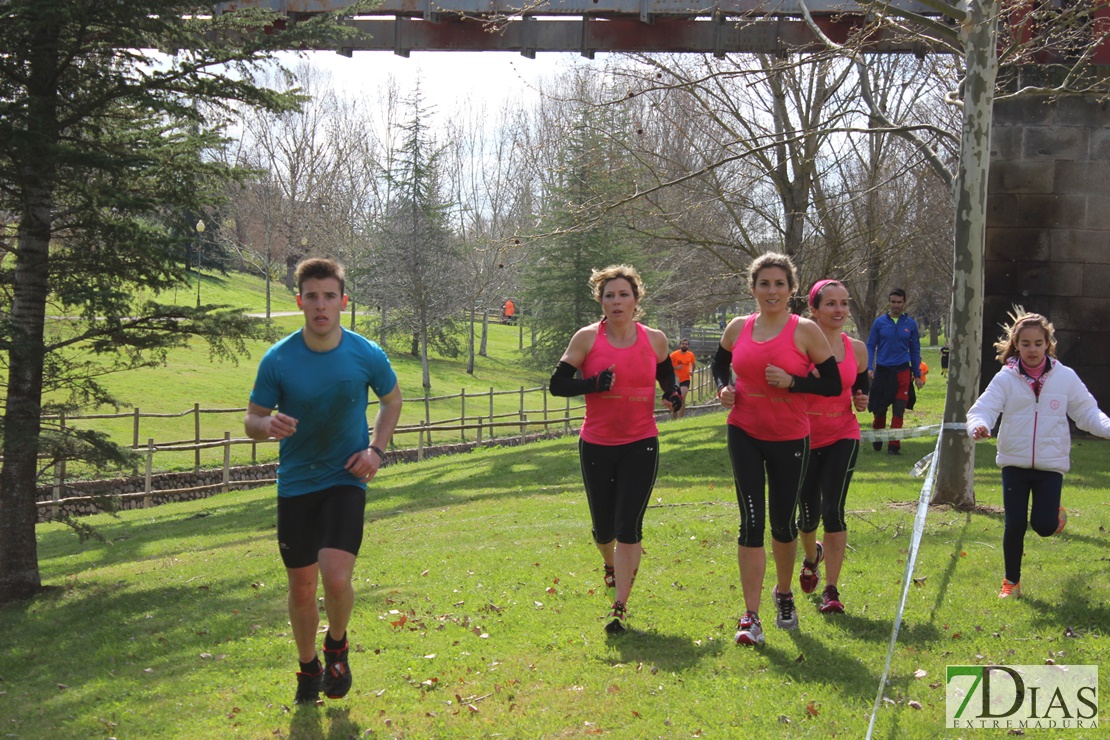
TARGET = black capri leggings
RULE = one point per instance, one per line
(778, 465)
(619, 479)
(825, 486)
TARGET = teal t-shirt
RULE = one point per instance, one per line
(328, 394)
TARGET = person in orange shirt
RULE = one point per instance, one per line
(683, 361)
(508, 312)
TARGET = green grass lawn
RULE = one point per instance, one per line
(480, 603)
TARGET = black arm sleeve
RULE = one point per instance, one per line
(863, 383)
(722, 367)
(827, 384)
(563, 382)
(664, 373)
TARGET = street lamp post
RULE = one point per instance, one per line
(200, 235)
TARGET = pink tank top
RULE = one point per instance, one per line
(626, 412)
(833, 419)
(770, 414)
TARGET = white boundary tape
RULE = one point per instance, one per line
(915, 543)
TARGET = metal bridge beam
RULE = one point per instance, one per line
(587, 36)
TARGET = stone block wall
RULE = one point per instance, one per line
(1048, 229)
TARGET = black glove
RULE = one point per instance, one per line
(674, 399)
(563, 382)
(603, 381)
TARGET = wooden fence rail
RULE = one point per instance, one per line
(544, 414)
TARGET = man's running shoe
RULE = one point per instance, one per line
(786, 616)
(830, 601)
(877, 446)
(749, 630)
(811, 574)
(308, 686)
(616, 618)
(611, 582)
(1063, 521)
(337, 672)
(1009, 588)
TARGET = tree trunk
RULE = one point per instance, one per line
(956, 468)
(19, 563)
(485, 333)
(470, 342)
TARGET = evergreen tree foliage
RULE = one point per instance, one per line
(581, 232)
(105, 164)
(415, 276)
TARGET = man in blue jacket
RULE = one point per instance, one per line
(893, 358)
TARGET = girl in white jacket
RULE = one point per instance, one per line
(1035, 394)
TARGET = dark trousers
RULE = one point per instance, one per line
(1018, 485)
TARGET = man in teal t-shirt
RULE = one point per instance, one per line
(319, 379)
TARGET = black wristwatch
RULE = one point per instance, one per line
(381, 455)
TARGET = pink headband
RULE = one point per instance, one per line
(816, 290)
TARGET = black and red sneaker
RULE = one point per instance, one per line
(337, 672)
(308, 685)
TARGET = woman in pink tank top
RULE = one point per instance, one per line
(834, 447)
(619, 360)
(768, 430)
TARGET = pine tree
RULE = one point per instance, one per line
(104, 164)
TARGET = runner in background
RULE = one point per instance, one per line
(683, 361)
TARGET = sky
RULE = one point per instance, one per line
(448, 77)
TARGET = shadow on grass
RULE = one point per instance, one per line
(667, 652)
(950, 569)
(1074, 613)
(814, 661)
(336, 725)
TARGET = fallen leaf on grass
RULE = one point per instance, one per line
(613, 689)
(914, 704)
(920, 673)
(811, 709)
(783, 719)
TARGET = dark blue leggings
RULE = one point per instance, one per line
(778, 466)
(825, 486)
(1017, 485)
(619, 479)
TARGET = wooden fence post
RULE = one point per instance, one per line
(135, 439)
(420, 443)
(566, 418)
(149, 465)
(492, 433)
(427, 415)
(462, 413)
(59, 471)
(227, 461)
(196, 428)
(543, 392)
(479, 430)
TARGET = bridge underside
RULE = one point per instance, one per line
(588, 26)
(588, 36)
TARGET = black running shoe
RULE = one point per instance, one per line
(308, 686)
(337, 672)
(616, 619)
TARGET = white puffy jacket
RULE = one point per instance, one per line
(1034, 432)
